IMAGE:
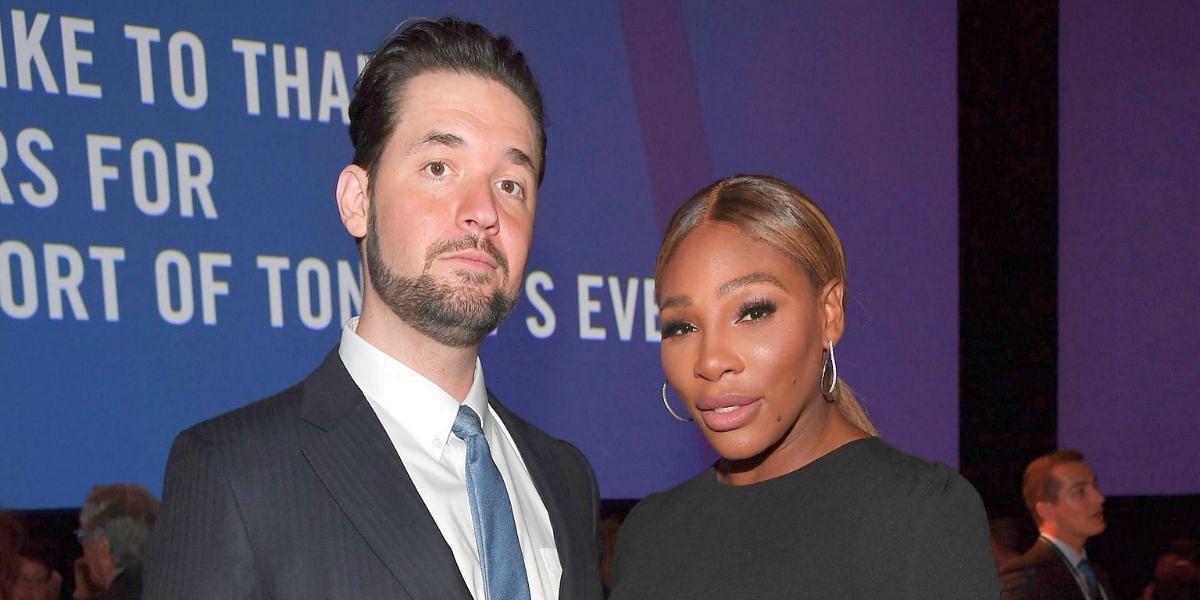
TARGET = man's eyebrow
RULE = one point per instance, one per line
(518, 157)
(438, 138)
(745, 280)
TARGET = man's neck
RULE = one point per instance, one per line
(450, 368)
(1072, 541)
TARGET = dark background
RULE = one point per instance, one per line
(1008, 241)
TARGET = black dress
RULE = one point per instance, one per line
(864, 521)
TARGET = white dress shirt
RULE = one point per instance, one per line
(418, 417)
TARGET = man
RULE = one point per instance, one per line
(371, 478)
(1060, 491)
(114, 524)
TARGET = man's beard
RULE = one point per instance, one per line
(453, 315)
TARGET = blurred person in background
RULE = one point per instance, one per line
(35, 577)
(115, 521)
(1063, 496)
(1177, 573)
(10, 546)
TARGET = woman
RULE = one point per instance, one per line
(806, 501)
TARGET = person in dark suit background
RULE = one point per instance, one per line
(391, 472)
(1061, 492)
(115, 522)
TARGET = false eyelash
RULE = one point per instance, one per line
(758, 304)
(674, 328)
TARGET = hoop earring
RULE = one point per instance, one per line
(668, 405)
(830, 364)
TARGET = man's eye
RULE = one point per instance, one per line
(436, 168)
(511, 187)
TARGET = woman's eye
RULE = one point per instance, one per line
(436, 168)
(756, 310)
(675, 328)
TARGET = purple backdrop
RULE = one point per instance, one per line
(1129, 253)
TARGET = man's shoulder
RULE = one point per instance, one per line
(543, 445)
(1040, 556)
(266, 417)
(262, 416)
(1039, 573)
(520, 427)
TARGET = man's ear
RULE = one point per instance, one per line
(353, 199)
(1044, 510)
(831, 301)
(101, 543)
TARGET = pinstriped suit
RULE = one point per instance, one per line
(302, 495)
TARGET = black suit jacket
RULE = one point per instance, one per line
(302, 495)
(1042, 573)
(127, 585)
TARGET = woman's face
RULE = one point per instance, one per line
(743, 330)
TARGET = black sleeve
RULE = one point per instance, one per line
(952, 556)
(198, 547)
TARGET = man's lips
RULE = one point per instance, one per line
(477, 257)
(468, 249)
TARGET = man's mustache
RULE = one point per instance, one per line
(470, 241)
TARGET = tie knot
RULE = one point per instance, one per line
(467, 423)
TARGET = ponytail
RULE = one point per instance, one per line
(848, 405)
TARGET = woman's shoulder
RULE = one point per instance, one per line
(671, 499)
(662, 515)
(898, 474)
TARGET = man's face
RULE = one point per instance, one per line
(95, 550)
(1078, 512)
(452, 205)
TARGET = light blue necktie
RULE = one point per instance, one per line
(495, 531)
(1089, 577)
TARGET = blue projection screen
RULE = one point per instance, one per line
(170, 248)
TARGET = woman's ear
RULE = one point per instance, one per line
(831, 301)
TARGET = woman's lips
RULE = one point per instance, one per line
(727, 412)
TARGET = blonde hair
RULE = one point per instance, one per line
(781, 216)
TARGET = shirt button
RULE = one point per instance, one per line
(437, 442)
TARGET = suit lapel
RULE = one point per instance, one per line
(550, 493)
(356, 461)
(1066, 571)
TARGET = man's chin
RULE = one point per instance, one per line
(457, 275)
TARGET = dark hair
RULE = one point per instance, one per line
(1040, 484)
(773, 212)
(426, 45)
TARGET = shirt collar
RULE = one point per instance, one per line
(1073, 556)
(420, 408)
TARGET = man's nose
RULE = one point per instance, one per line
(477, 208)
